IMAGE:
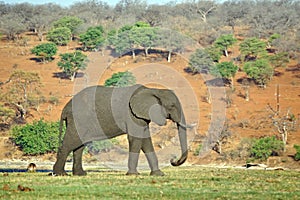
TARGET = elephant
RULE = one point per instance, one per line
(99, 112)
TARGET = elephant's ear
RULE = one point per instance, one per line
(143, 104)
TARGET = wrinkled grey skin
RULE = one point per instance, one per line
(99, 112)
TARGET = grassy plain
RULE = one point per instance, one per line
(179, 183)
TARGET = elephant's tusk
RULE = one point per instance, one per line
(189, 126)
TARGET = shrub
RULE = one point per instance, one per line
(71, 63)
(121, 79)
(60, 36)
(6, 113)
(265, 147)
(260, 71)
(37, 138)
(101, 146)
(53, 100)
(198, 150)
(200, 62)
(45, 51)
(297, 155)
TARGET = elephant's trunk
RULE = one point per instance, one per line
(183, 144)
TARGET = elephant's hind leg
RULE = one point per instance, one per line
(62, 154)
(77, 162)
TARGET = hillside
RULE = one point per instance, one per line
(244, 119)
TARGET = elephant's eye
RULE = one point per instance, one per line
(171, 107)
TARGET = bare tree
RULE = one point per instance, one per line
(127, 11)
(93, 12)
(269, 17)
(12, 26)
(154, 15)
(41, 24)
(202, 8)
(231, 13)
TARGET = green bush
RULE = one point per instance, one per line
(37, 138)
(45, 51)
(101, 146)
(198, 150)
(121, 79)
(264, 147)
(297, 155)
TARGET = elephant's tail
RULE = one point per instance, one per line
(63, 118)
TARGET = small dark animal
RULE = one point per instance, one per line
(31, 167)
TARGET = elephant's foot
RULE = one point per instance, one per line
(60, 173)
(130, 173)
(79, 172)
(157, 173)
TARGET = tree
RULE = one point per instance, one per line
(92, 12)
(129, 38)
(121, 79)
(279, 59)
(202, 8)
(252, 48)
(60, 36)
(214, 52)
(92, 38)
(145, 37)
(24, 86)
(41, 18)
(70, 63)
(200, 61)
(273, 38)
(12, 26)
(125, 41)
(233, 12)
(225, 70)
(172, 41)
(259, 70)
(70, 22)
(154, 15)
(225, 41)
(45, 51)
(268, 17)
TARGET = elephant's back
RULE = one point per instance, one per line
(112, 107)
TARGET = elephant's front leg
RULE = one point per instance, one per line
(135, 145)
(148, 149)
(77, 162)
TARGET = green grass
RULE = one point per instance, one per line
(179, 183)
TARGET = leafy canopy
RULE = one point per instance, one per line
(297, 155)
(225, 41)
(60, 36)
(37, 138)
(252, 48)
(280, 59)
(70, 22)
(224, 70)
(70, 63)
(121, 79)
(214, 52)
(45, 51)
(260, 71)
(200, 61)
(265, 147)
(92, 38)
(131, 37)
